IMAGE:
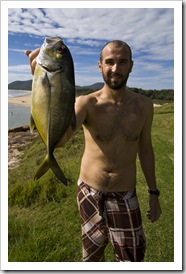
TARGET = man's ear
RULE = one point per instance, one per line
(131, 66)
(100, 66)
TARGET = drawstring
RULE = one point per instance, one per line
(124, 195)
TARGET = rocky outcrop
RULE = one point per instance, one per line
(19, 129)
(18, 139)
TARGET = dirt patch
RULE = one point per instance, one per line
(18, 139)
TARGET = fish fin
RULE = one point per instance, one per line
(73, 121)
(43, 168)
(57, 170)
(53, 163)
(32, 124)
(50, 162)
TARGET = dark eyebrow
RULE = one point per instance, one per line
(124, 59)
(121, 60)
(108, 59)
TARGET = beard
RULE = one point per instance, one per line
(116, 83)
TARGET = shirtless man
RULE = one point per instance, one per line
(117, 128)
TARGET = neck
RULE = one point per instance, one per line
(113, 94)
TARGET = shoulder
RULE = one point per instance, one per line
(84, 106)
(87, 100)
(144, 102)
(141, 98)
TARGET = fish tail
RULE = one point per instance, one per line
(45, 165)
(32, 124)
(50, 162)
(57, 170)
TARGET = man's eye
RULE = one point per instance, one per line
(109, 62)
(124, 61)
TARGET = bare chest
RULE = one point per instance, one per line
(109, 122)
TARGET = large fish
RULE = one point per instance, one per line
(53, 98)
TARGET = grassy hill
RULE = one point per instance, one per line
(166, 95)
(44, 224)
(27, 85)
(21, 85)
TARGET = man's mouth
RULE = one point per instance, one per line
(115, 76)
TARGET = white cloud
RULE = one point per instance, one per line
(20, 68)
(149, 32)
(19, 72)
(16, 50)
(14, 76)
(141, 27)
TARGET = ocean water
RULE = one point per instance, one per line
(17, 93)
(18, 115)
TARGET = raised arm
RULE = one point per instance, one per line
(81, 107)
(147, 161)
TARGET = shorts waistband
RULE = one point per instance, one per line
(123, 194)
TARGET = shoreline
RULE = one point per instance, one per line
(24, 100)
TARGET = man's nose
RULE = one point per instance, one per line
(115, 67)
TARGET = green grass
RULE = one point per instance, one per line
(160, 235)
(44, 224)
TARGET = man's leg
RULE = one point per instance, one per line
(94, 232)
(125, 227)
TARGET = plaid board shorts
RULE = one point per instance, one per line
(114, 217)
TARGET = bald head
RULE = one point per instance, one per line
(117, 44)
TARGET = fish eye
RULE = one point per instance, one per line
(60, 49)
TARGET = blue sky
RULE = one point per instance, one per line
(149, 32)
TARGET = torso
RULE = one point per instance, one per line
(112, 131)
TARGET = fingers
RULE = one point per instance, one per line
(32, 54)
(148, 214)
(27, 52)
(32, 58)
(152, 217)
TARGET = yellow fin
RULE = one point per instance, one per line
(32, 124)
(50, 162)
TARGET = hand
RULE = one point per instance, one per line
(155, 210)
(32, 58)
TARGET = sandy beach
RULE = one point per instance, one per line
(26, 100)
(21, 100)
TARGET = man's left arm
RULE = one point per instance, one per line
(147, 161)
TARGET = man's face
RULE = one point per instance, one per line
(115, 66)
